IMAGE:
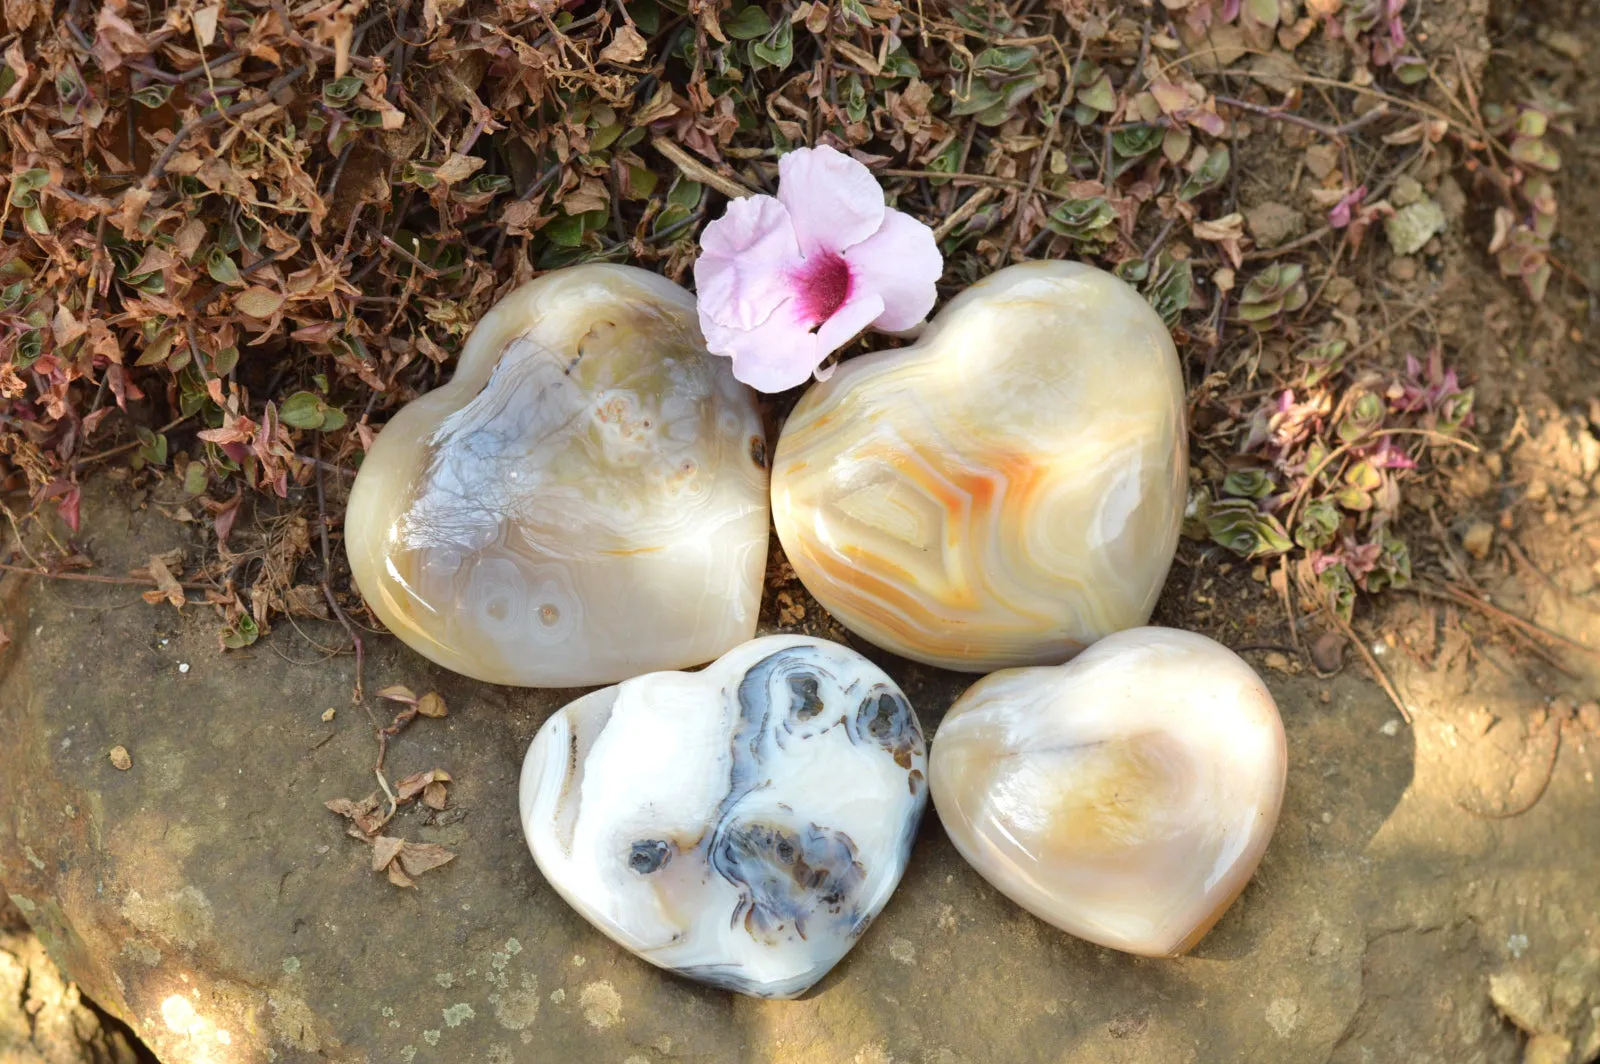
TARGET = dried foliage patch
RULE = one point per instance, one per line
(239, 235)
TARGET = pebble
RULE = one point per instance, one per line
(1589, 717)
(1390, 728)
(1478, 538)
(120, 759)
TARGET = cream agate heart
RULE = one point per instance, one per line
(1005, 491)
(741, 825)
(586, 499)
(1125, 797)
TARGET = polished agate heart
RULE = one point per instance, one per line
(741, 825)
(1126, 796)
(1005, 491)
(586, 499)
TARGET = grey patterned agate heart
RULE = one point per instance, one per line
(741, 825)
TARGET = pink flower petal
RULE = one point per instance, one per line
(834, 201)
(742, 275)
(901, 263)
(855, 315)
(771, 357)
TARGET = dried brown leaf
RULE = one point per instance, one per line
(398, 877)
(626, 46)
(399, 693)
(420, 857)
(306, 600)
(413, 784)
(385, 848)
(167, 587)
(458, 167)
(431, 705)
(434, 796)
(258, 302)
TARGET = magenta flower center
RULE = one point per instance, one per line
(822, 284)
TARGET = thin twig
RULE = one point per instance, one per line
(1309, 123)
(1372, 662)
(94, 578)
(327, 587)
(431, 273)
(962, 213)
(1522, 559)
(1455, 594)
(695, 170)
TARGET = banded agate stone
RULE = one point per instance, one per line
(586, 499)
(1005, 491)
(741, 825)
(1126, 796)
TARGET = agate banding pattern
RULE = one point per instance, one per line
(1005, 491)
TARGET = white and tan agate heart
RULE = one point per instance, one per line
(586, 499)
(1005, 491)
(741, 825)
(1125, 797)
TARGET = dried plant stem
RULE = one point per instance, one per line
(1372, 662)
(963, 212)
(327, 591)
(1326, 130)
(94, 578)
(124, 448)
(1456, 595)
(427, 270)
(696, 170)
(1523, 560)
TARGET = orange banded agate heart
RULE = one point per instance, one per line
(1004, 492)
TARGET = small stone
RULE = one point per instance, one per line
(327, 714)
(120, 759)
(1403, 268)
(1277, 660)
(1451, 198)
(1390, 728)
(1410, 228)
(1478, 538)
(1589, 717)
(1327, 652)
(1547, 1049)
(184, 668)
(1272, 224)
(1321, 159)
(1407, 190)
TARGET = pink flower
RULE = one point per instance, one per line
(784, 282)
(1340, 216)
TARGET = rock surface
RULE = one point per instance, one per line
(207, 896)
(43, 1020)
